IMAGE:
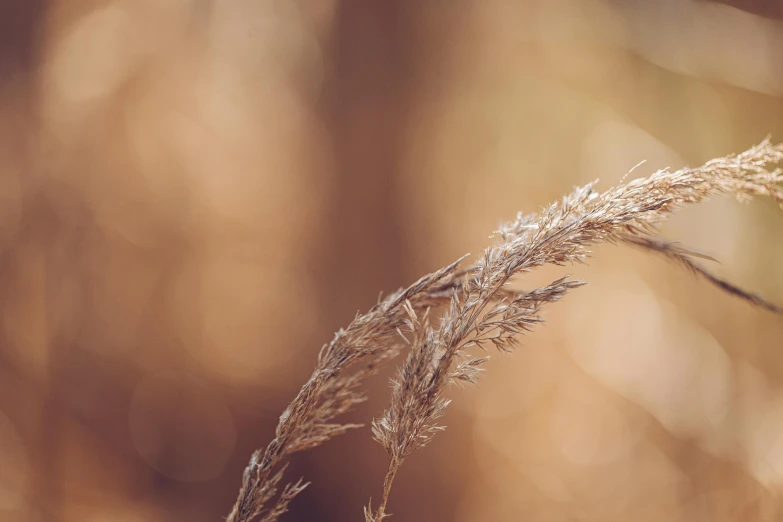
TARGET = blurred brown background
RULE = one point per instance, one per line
(195, 194)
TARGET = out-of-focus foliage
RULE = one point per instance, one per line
(194, 195)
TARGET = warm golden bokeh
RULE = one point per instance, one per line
(195, 194)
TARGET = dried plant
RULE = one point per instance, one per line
(331, 391)
(482, 310)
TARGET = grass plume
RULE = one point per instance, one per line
(481, 310)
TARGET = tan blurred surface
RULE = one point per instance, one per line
(194, 195)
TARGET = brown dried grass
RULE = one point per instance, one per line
(480, 310)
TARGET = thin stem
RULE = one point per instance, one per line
(394, 465)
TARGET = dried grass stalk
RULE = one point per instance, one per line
(481, 310)
(333, 389)
(558, 235)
